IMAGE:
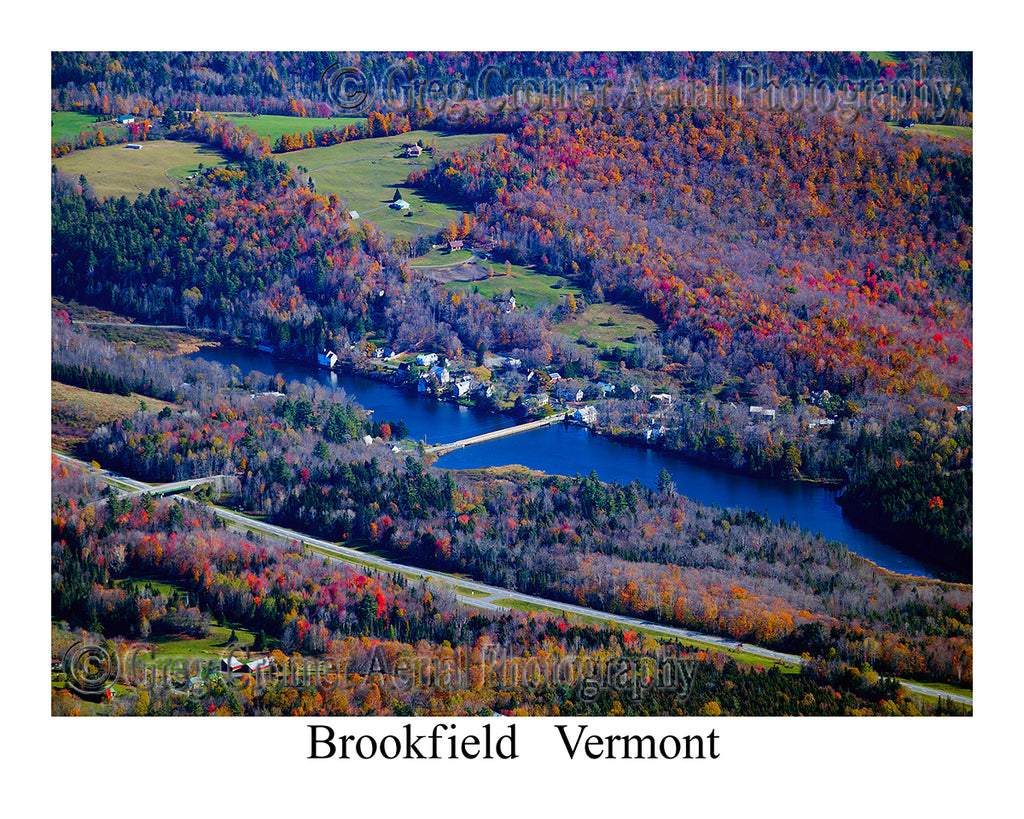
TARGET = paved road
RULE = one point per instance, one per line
(490, 594)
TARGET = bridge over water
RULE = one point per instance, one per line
(440, 449)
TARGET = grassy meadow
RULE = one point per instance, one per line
(273, 126)
(75, 412)
(364, 173)
(442, 258)
(115, 170)
(530, 288)
(608, 325)
(70, 123)
(943, 131)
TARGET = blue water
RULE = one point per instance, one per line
(571, 450)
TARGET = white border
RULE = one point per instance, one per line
(769, 767)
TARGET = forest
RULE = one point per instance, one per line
(856, 333)
(302, 463)
(810, 279)
(283, 82)
(104, 548)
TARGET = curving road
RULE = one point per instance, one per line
(490, 594)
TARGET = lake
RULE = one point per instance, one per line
(571, 450)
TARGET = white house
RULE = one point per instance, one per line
(399, 204)
(663, 397)
(463, 388)
(326, 358)
(426, 359)
(443, 376)
(585, 415)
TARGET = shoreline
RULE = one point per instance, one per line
(375, 373)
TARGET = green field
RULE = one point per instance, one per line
(529, 287)
(364, 173)
(69, 123)
(604, 325)
(441, 258)
(467, 592)
(608, 325)
(115, 170)
(273, 126)
(944, 131)
(882, 56)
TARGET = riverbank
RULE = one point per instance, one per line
(637, 440)
(958, 568)
(572, 450)
(371, 369)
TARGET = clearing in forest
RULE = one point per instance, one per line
(365, 172)
(527, 285)
(115, 170)
(608, 325)
(273, 126)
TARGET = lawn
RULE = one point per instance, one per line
(529, 287)
(214, 645)
(467, 592)
(943, 131)
(607, 325)
(604, 325)
(69, 123)
(441, 258)
(273, 126)
(115, 170)
(365, 172)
